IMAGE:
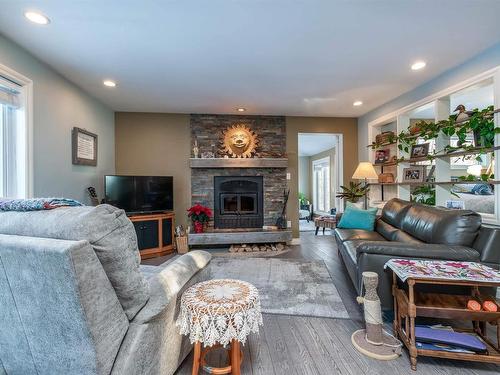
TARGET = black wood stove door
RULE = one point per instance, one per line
(238, 202)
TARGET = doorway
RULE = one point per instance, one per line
(319, 176)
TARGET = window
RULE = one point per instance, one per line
(321, 184)
(13, 145)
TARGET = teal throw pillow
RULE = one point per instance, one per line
(355, 218)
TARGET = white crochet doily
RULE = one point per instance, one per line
(218, 311)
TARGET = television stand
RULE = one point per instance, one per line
(155, 233)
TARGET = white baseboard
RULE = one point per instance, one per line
(295, 241)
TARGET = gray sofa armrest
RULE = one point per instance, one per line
(169, 282)
(416, 250)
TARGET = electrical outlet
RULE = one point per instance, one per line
(288, 176)
(289, 224)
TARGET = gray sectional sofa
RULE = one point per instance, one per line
(412, 230)
(74, 300)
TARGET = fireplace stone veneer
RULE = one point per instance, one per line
(271, 131)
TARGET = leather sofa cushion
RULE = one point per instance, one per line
(405, 237)
(357, 234)
(488, 244)
(386, 230)
(439, 225)
(394, 211)
(416, 250)
(350, 249)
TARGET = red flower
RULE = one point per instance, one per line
(199, 213)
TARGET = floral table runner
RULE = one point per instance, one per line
(442, 270)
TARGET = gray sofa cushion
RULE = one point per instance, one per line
(439, 225)
(164, 285)
(152, 336)
(59, 313)
(108, 230)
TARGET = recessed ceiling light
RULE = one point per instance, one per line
(418, 65)
(241, 109)
(109, 83)
(37, 17)
(357, 103)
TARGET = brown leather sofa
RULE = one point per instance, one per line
(416, 231)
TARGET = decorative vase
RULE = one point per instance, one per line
(198, 227)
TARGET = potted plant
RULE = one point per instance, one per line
(302, 199)
(199, 215)
(354, 192)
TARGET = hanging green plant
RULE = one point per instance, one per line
(479, 122)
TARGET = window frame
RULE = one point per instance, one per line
(327, 180)
(25, 86)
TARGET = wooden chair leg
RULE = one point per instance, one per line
(235, 358)
(196, 358)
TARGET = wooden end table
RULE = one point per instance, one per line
(408, 305)
(325, 222)
(218, 313)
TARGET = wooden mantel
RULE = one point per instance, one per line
(239, 163)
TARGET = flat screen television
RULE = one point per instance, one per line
(140, 194)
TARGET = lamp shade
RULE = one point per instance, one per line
(365, 170)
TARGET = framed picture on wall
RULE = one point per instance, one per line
(83, 147)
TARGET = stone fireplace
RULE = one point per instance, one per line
(238, 202)
(243, 192)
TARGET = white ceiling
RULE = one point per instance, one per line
(302, 57)
(312, 144)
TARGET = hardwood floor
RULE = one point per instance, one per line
(295, 345)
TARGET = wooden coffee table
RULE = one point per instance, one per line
(410, 304)
(325, 222)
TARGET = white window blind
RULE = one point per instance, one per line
(12, 141)
(321, 184)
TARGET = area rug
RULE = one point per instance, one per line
(286, 286)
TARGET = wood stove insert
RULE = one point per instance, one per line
(238, 202)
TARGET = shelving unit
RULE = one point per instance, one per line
(453, 154)
(490, 182)
(445, 165)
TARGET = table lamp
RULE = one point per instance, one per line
(365, 171)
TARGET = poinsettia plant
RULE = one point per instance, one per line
(199, 213)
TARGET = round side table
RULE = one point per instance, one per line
(217, 313)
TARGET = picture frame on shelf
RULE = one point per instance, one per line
(382, 156)
(414, 174)
(455, 205)
(420, 150)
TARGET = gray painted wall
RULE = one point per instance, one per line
(59, 105)
(304, 176)
(478, 64)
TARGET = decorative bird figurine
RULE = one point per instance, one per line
(463, 115)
